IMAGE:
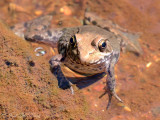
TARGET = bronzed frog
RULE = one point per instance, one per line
(86, 49)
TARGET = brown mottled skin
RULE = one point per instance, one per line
(87, 49)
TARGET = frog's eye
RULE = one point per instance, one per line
(73, 41)
(102, 45)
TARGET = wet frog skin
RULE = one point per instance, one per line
(87, 50)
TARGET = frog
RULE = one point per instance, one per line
(88, 49)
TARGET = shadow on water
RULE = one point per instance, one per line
(83, 82)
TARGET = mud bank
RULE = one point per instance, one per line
(28, 90)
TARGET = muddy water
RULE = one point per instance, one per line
(138, 82)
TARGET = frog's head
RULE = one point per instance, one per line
(91, 45)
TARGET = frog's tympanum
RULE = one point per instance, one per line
(87, 49)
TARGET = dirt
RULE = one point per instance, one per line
(28, 90)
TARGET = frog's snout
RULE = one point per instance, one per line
(93, 56)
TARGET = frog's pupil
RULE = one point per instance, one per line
(71, 40)
(104, 44)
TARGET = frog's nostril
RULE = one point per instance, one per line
(91, 53)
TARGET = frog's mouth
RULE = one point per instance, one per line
(95, 58)
(91, 58)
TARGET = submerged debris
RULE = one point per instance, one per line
(9, 64)
(32, 63)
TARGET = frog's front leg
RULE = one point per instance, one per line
(111, 84)
(56, 70)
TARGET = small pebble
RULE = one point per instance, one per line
(38, 12)
(126, 108)
(149, 64)
(66, 10)
(95, 105)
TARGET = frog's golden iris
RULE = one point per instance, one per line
(102, 45)
(73, 41)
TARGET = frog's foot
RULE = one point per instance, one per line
(110, 94)
(63, 82)
(38, 24)
(130, 42)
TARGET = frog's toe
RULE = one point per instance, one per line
(72, 91)
(65, 84)
(110, 94)
(109, 100)
(116, 96)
